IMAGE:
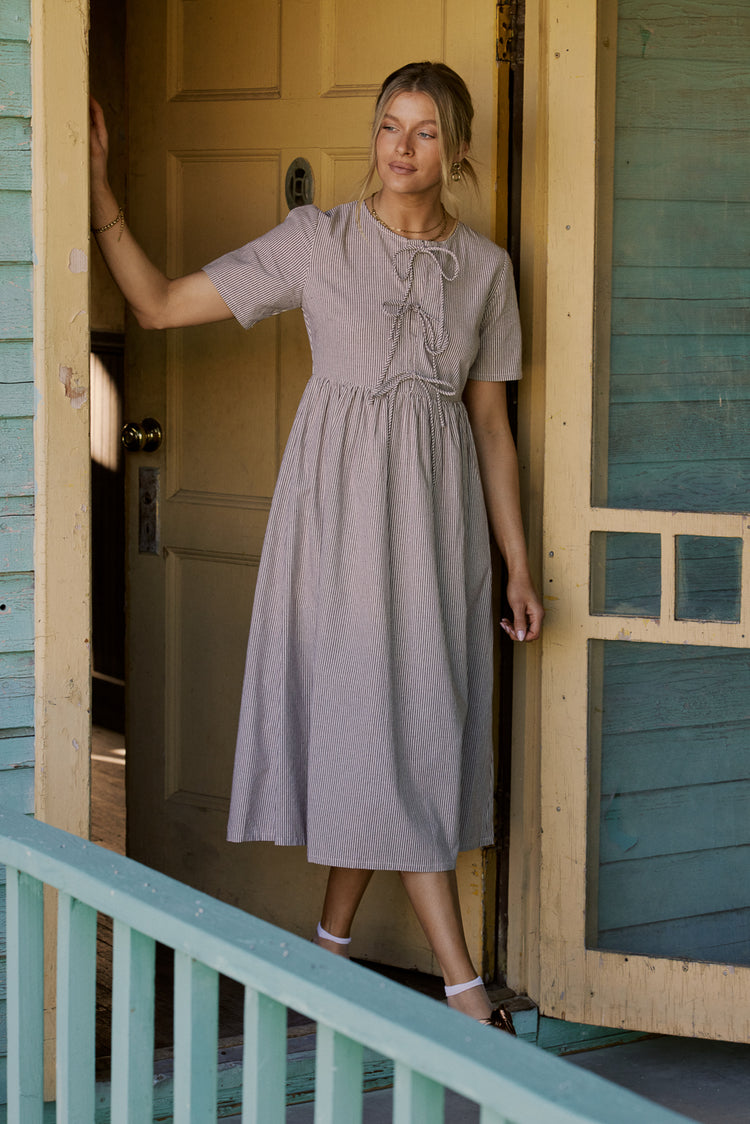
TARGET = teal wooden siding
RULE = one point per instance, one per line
(16, 438)
(670, 725)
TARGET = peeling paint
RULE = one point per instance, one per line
(77, 394)
(645, 37)
(78, 262)
(74, 694)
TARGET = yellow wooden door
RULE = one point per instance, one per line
(645, 719)
(223, 97)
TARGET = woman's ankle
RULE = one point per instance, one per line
(470, 998)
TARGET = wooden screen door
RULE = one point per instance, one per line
(645, 899)
(223, 98)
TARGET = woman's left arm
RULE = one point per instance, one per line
(487, 408)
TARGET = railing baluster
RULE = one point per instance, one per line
(132, 1025)
(416, 1099)
(196, 1040)
(25, 967)
(338, 1078)
(76, 1010)
(263, 1060)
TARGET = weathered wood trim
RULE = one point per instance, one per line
(571, 60)
(605, 113)
(61, 429)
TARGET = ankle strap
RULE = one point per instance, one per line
(324, 935)
(456, 989)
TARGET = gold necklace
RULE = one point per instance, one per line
(401, 230)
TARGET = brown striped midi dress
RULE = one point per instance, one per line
(365, 726)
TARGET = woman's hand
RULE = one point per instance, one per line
(98, 140)
(526, 608)
(103, 203)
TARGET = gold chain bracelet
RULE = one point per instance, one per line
(119, 218)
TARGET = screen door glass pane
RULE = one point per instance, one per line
(672, 378)
(625, 574)
(709, 578)
(669, 829)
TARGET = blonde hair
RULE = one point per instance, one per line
(453, 109)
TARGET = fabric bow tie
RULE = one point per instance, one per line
(433, 327)
(445, 260)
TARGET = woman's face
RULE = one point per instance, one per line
(407, 146)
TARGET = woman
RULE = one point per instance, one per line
(365, 730)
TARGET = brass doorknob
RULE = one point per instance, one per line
(141, 438)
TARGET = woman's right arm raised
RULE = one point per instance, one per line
(157, 301)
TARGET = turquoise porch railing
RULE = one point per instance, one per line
(432, 1048)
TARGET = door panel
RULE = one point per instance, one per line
(223, 97)
(349, 58)
(646, 682)
(195, 772)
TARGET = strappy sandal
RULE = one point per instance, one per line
(501, 1019)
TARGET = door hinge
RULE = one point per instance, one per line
(507, 40)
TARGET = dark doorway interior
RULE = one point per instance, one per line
(108, 86)
(108, 530)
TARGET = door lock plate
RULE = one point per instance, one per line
(300, 184)
(149, 531)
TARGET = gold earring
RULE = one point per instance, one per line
(456, 171)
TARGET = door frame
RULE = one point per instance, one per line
(476, 871)
(62, 551)
(62, 545)
(62, 540)
(523, 964)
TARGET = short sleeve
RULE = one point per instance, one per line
(268, 275)
(499, 356)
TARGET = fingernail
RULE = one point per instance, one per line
(521, 634)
